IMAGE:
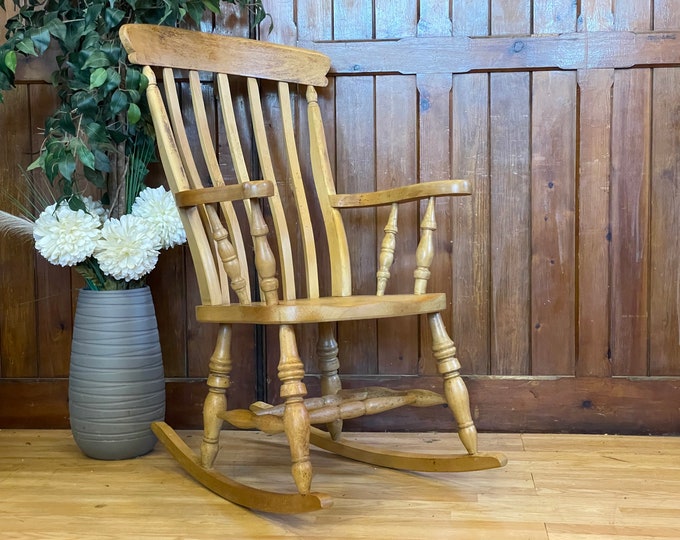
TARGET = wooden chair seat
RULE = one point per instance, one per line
(243, 146)
(316, 310)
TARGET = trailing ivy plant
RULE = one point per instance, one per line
(101, 129)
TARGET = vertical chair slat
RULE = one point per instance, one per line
(208, 150)
(231, 130)
(341, 277)
(304, 219)
(278, 214)
(194, 178)
(207, 272)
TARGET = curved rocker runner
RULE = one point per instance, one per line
(224, 219)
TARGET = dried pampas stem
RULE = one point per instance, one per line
(15, 226)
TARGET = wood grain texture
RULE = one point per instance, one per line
(194, 55)
(594, 224)
(396, 162)
(18, 345)
(553, 216)
(520, 51)
(561, 487)
(630, 221)
(510, 224)
(54, 310)
(470, 137)
(355, 169)
(664, 322)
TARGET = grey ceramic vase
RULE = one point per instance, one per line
(116, 380)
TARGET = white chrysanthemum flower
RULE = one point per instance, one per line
(66, 237)
(127, 248)
(95, 208)
(157, 207)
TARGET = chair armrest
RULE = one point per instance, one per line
(237, 192)
(413, 192)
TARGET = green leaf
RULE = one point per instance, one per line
(76, 203)
(37, 164)
(57, 28)
(133, 114)
(26, 46)
(51, 162)
(212, 5)
(119, 101)
(67, 166)
(113, 17)
(95, 132)
(10, 61)
(92, 12)
(96, 178)
(97, 78)
(101, 161)
(112, 80)
(84, 154)
(41, 39)
(84, 103)
(97, 59)
(133, 77)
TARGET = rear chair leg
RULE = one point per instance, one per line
(295, 417)
(327, 353)
(454, 388)
(216, 400)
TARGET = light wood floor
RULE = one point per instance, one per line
(554, 486)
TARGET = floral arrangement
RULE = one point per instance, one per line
(110, 253)
(100, 139)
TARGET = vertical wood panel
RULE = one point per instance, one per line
(352, 20)
(510, 17)
(630, 221)
(355, 169)
(631, 118)
(664, 327)
(53, 283)
(595, 109)
(553, 147)
(314, 20)
(594, 232)
(395, 19)
(18, 332)
(471, 215)
(396, 155)
(510, 203)
(434, 134)
(553, 144)
(664, 323)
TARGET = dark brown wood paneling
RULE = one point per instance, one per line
(594, 235)
(396, 159)
(18, 331)
(553, 257)
(471, 260)
(550, 101)
(664, 316)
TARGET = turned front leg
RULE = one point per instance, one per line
(295, 416)
(216, 400)
(455, 390)
(327, 353)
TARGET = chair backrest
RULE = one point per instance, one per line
(239, 71)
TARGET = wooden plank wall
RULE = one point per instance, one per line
(561, 269)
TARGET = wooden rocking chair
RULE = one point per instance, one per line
(221, 260)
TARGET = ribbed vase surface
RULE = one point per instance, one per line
(116, 380)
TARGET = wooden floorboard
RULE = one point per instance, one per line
(555, 487)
